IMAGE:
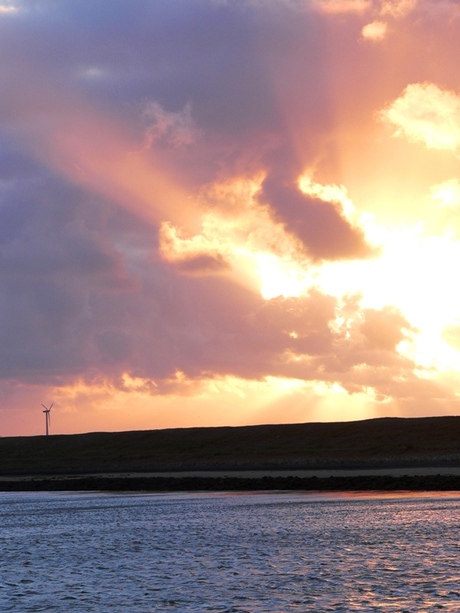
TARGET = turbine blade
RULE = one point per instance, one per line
(51, 405)
(44, 407)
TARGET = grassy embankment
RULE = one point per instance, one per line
(365, 444)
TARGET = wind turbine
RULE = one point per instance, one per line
(47, 412)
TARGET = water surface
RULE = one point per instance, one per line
(264, 552)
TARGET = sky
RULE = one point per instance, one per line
(228, 212)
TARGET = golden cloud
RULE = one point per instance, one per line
(428, 114)
(374, 31)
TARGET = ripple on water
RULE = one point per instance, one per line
(245, 553)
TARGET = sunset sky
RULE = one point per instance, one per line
(228, 212)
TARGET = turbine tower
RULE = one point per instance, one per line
(47, 412)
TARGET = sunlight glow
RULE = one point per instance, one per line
(280, 278)
(447, 194)
(410, 276)
(411, 273)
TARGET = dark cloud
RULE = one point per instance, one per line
(324, 232)
(45, 233)
(199, 264)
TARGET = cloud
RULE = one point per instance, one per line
(428, 114)
(194, 256)
(384, 329)
(398, 8)
(161, 232)
(374, 31)
(173, 128)
(8, 9)
(123, 312)
(320, 226)
(203, 263)
(342, 6)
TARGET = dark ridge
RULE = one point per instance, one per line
(387, 442)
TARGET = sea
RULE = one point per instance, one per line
(229, 552)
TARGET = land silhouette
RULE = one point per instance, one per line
(387, 453)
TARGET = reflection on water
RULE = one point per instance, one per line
(229, 553)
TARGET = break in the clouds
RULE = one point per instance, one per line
(206, 209)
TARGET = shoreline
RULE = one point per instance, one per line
(422, 478)
(256, 473)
